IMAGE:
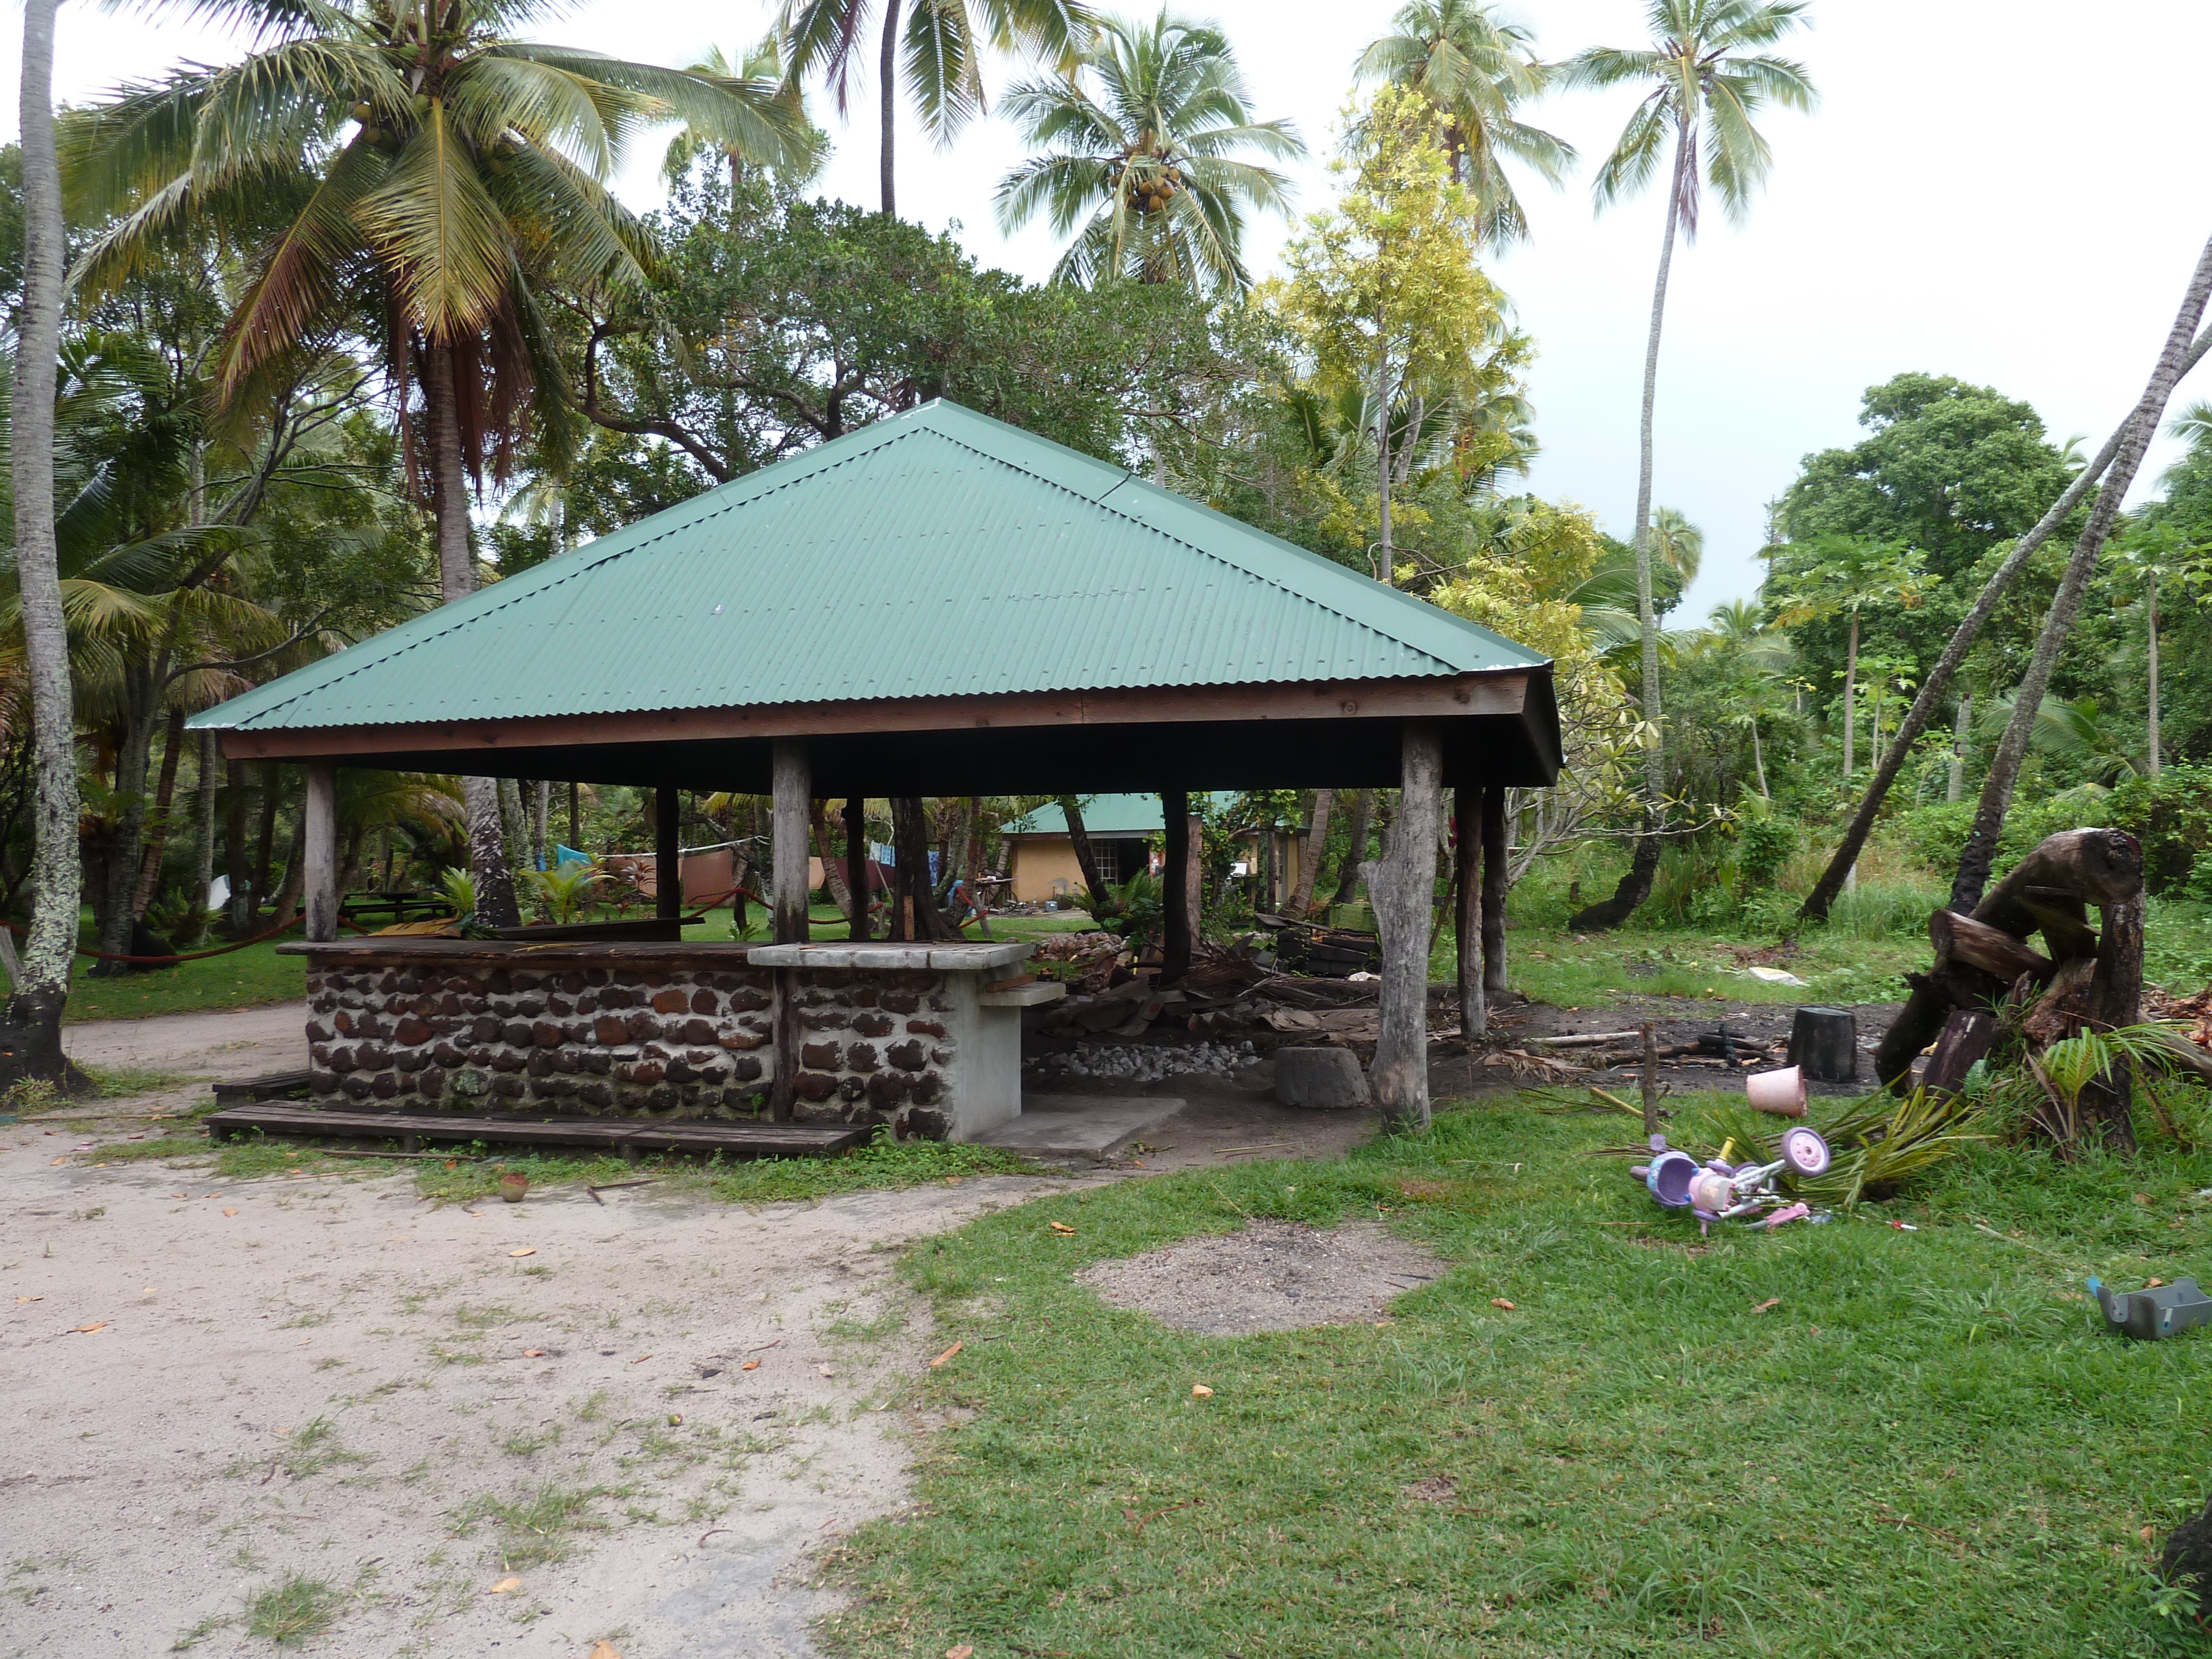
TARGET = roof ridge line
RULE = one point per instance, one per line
(1128, 476)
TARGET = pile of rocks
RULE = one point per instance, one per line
(1142, 1065)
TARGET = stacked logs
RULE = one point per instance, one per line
(2089, 981)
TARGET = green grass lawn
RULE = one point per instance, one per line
(1921, 1446)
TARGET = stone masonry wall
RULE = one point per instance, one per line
(690, 1042)
(874, 1044)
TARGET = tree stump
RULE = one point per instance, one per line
(1824, 1042)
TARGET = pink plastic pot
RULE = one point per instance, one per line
(1781, 1092)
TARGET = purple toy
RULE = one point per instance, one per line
(1716, 1191)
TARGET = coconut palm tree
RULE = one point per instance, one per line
(432, 175)
(939, 55)
(760, 71)
(1477, 68)
(1677, 544)
(1143, 137)
(32, 1030)
(1707, 78)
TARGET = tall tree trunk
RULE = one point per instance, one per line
(238, 910)
(1938, 682)
(1347, 877)
(31, 1041)
(1386, 573)
(264, 841)
(1404, 884)
(203, 804)
(1758, 761)
(134, 757)
(833, 872)
(2012, 748)
(1100, 900)
(165, 794)
(1636, 886)
(1961, 730)
(1316, 843)
(887, 86)
(541, 809)
(2150, 637)
(576, 816)
(296, 868)
(1850, 699)
(457, 579)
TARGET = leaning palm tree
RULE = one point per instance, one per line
(1143, 137)
(1477, 68)
(426, 175)
(939, 55)
(1707, 78)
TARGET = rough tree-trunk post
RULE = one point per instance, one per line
(1316, 846)
(1648, 1077)
(1938, 686)
(792, 788)
(318, 835)
(2116, 1000)
(1176, 923)
(1403, 886)
(856, 863)
(667, 853)
(1467, 912)
(1496, 883)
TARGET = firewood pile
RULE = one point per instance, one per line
(1986, 970)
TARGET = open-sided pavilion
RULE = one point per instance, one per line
(937, 605)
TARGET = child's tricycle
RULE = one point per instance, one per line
(1717, 1190)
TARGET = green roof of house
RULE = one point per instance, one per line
(937, 553)
(1103, 814)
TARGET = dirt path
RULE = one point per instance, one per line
(225, 1043)
(324, 1377)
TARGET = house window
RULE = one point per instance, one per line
(1107, 855)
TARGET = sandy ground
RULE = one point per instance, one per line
(201, 1047)
(1268, 1276)
(324, 1376)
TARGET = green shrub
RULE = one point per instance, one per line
(2172, 816)
(1764, 844)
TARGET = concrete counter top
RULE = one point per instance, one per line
(943, 958)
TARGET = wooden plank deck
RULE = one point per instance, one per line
(628, 1136)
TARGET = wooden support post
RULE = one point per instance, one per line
(1404, 887)
(1178, 925)
(1194, 877)
(1467, 912)
(1494, 887)
(1649, 1078)
(793, 789)
(856, 863)
(783, 1080)
(319, 834)
(667, 854)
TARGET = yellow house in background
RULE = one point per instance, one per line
(1121, 828)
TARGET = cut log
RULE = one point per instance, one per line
(1967, 1037)
(1991, 949)
(2115, 1000)
(2063, 1007)
(2093, 867)
(1823, 1043)
(2045, 890)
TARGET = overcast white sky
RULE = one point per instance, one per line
(2007, 191)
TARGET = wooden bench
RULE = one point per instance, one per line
(270, 1085)
(628, 1136)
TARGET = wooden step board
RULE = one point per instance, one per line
(628, 1136)
(270, 1085)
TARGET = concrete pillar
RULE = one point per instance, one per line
(1179, 927)
(667, 854)
(793, 792)
(318, 848)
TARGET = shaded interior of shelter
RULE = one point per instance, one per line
(1518, 750)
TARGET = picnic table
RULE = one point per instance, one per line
(401, 905)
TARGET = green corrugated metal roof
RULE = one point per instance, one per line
(937, 553)
(1103, 814)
